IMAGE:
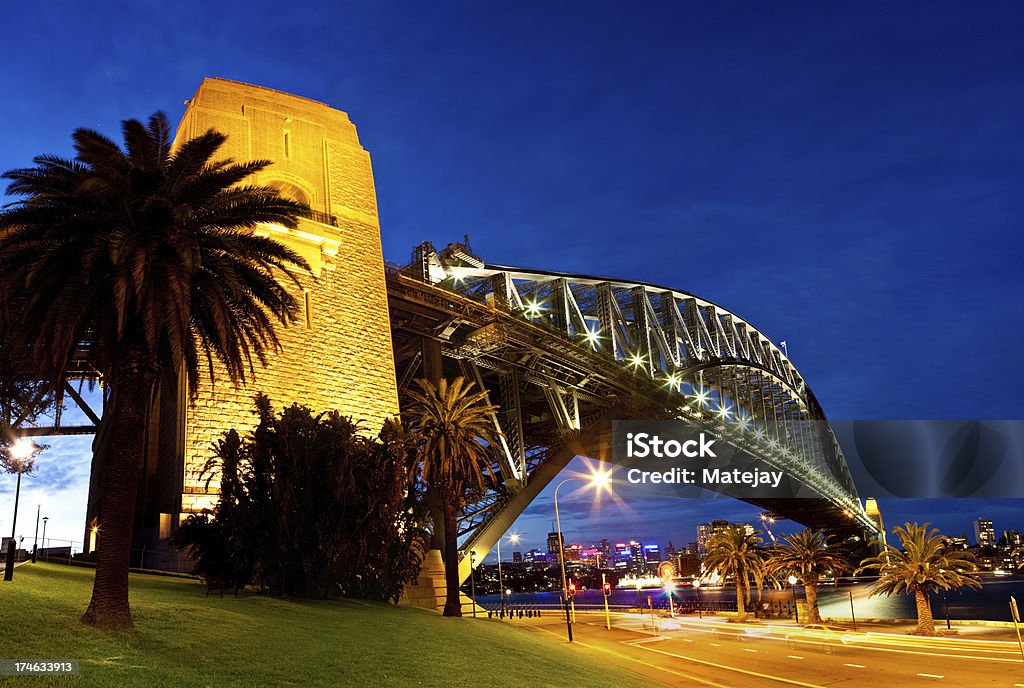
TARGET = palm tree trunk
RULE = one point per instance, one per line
(128, 416)
(453, 596)
(925, 622)
(811, 591)
(741, 608)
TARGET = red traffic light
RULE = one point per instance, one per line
(572, 589)
(607, 589)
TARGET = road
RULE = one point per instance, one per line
(712, 652)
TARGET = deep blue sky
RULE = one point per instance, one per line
(845, 175)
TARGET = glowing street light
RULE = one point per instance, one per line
(793, 580)
(696, 587)
(514, 539)
(598, 480)
(18, 459)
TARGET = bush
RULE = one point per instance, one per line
(311, 507)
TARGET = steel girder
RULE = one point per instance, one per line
(577, 345)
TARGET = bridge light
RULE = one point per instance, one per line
(533, 309)
(724, 410)
(592, 336)
(458, 275)
(674, 381)
(744, 422)
(701, 397)
(636, 361)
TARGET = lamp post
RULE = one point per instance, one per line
(796, 606)
(514, 539)
(45, 519)
(696, 587)
(472, 579)
(596, 480)
(19, 461)
(35, 538)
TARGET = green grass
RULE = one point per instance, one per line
(183, 638)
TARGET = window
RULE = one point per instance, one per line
(309, 308)
(287, 144)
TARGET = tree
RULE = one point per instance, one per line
(924, 563)
(806, 555)
(734, 552)
(456, 435)
(148, 256)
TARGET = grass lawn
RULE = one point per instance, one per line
(183, 638)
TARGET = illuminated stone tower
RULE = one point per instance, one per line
(338, 355)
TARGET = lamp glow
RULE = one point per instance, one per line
(23, 449)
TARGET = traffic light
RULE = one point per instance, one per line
(572, 589)
(607, 589)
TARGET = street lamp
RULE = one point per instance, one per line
(19, 461)
(796, 607)
(597, 480)
(45, 519)
(35, 538)
(514, 539)
(472, 579)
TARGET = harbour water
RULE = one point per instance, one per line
(990, 603)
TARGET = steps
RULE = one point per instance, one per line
(428, 591)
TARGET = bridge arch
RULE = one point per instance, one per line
(562, 355)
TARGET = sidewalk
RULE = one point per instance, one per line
(971, 630)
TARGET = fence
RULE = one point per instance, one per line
(57, 551)
(765, 609)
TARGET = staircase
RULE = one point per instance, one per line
(427, 591)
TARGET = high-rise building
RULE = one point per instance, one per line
(652, 554)
(555, 544)
(1011, 540)
(517, 557)
(705, 531)
(606, 551)
(984, 533)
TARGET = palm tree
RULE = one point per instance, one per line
(807, 556)
(924, 563)
(457, 433)
(148, 255)
(734, 552)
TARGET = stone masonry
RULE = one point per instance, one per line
(338, 355)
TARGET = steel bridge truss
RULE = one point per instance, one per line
(555, 351)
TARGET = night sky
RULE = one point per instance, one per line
(847, 176)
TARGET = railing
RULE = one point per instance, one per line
(768, 609)
(322, 218)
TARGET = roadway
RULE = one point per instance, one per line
(712, 652)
